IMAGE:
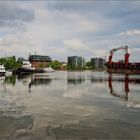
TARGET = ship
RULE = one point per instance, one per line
(27, 68)
(2, 70)
(122, 67)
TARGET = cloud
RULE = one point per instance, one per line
(75, 45)
(60, 29)
(130, 33)
(12, 15)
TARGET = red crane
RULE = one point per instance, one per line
(120, 48)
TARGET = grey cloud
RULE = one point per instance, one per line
(12, 15)
(70, 5)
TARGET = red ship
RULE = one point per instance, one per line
(125, 66)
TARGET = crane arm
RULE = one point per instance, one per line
(120, 48)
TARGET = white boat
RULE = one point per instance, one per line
(26, 65)
(2, 70)
(48, 69)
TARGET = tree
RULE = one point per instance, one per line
(10, 62)
(88, 64)
(55, 64)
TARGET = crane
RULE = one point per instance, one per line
(116, 49)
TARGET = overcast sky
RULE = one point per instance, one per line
(66, 28)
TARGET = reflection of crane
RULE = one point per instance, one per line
(130, 103)
(120, 48)
(116, 94)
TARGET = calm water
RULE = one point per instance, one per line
(70, 106)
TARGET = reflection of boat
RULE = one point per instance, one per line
(8, 73)
(2, 79)
(39, 80)
(48, 69)
(2, 70)
(132, 80)
(10, 80)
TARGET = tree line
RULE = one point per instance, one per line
(10, 62)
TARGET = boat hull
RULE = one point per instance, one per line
(26, 71)
(2, 73)
(131, 68)
(123, 71)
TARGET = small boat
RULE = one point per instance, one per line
(2, 70)
(48, 69)
(26, 65)
(26, 68)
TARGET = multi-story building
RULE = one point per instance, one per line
(39, 60)
(76, 62)
(97, 63)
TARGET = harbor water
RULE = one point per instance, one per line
(82, 105)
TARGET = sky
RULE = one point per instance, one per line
(68, 28)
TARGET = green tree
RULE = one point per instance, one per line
(88, 65)
(10, 62)
(55, 64)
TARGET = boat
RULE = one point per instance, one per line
(26, 68)
(2, 70)
(26, 65)
(124, 66)
(48, 69)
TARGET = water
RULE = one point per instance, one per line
(64, 105)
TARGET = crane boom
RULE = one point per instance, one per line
(120, 48)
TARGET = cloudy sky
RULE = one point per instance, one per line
(66, 28)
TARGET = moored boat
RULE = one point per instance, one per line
(123, 66)
(2, 70)
(48, 69)
(27, 66)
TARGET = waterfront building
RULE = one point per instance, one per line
(39, 60)
(98, 63)
(76, 62)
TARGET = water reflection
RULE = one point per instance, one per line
(14, 123)
(70, 105)
(10, 80)
(126, 95)
(119, 86)
(39, 80)
(75, 78)
(126, 87)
